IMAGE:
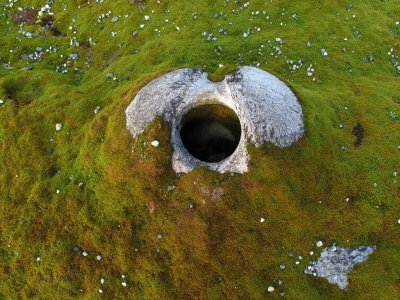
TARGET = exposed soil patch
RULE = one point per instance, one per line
(27, 17)
(358, 132)
(138, 3)
(47, 23)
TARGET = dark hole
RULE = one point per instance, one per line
(47, 21)
(358, 132)
(211, 133)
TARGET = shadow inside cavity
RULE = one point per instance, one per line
(211, 133)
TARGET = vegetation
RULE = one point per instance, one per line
(92, 187)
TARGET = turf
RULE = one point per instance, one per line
(113, 195)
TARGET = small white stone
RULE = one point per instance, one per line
(262, 220)
(1, 101)
(84, 253)
(398, 221)
(38, 259)
(155, 143)
(98, 257)
(100, 291)
(124, 283)
(102, 280)
(271, 289)
(147, 18)
(59, 126)
(319, 244)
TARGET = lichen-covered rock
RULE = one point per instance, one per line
(267, 109)
(335, 263)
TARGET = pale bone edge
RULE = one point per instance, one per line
(267, 109)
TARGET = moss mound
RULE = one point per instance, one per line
(90, 188)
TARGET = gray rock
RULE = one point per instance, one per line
(266, 107)
(115, 19)
(280, 41)
(76, 248)
(336, 263)
(29, 68)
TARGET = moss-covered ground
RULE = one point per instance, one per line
(92, 188)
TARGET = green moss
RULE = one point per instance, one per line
(114, 196)
(222, 72)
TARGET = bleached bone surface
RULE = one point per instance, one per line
(267, 109)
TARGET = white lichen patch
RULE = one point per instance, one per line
(267, 109)
(336, 263)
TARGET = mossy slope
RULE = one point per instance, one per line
(113, 195)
